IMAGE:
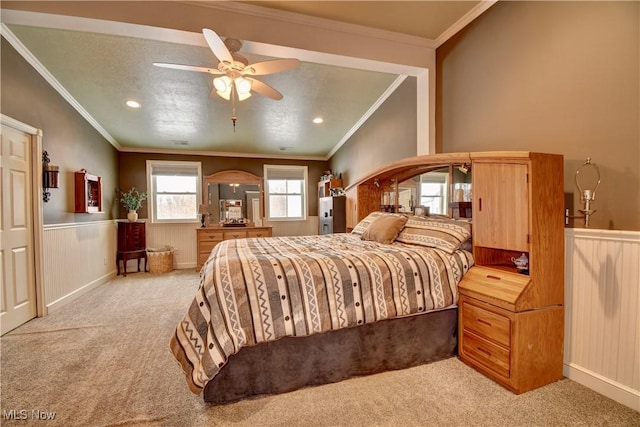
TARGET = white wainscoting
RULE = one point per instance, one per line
(294, 228)
(602, 320)
(77, 257)
(181, 237)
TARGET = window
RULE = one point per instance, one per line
(175, 190)
(433, 191)
(286, 192)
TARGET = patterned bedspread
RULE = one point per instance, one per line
(261, 289)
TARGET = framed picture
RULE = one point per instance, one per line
(234, 212)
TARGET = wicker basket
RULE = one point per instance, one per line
(160, 261)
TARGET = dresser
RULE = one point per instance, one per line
(208, 237)
(131, 244)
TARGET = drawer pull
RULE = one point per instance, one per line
(484, 321)
(235, 236)
(482, 350)
(489, 276)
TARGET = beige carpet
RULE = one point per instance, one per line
(103, 360)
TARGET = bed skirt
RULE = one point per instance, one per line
(295, 362)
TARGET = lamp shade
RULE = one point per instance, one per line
(242, 85)
(222, 84)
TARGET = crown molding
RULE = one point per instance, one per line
(220, 154)
(476, 11)
(42, 70)
(386, 94)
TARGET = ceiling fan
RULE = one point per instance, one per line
(235, 79)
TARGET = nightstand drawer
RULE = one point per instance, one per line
(235, 234)
(486, 353)
(487, 324)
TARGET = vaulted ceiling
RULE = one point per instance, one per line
(99, 67)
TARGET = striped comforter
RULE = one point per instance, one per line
(261, 289)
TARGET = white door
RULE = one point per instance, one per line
(17, 270)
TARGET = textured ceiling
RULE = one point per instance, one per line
(101, 71)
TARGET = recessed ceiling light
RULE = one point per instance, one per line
(318, 120)
(133, 104)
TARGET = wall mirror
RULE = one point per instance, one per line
(444, 190)
(233, 196)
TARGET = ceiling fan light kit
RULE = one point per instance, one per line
(232, 69)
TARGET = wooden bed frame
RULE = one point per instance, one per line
(292, 363)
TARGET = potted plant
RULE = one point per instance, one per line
(132, 201)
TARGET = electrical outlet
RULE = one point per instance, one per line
(105, 261)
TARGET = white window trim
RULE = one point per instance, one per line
(150, 189)
(305, 190)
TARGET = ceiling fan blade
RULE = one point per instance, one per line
(271, 67)
(264, 89)
(188, 68)
(217, 46)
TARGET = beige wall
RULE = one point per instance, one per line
(561, 77)
(389, 134)
(71, 142)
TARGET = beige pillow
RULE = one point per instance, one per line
(384, 229)
(436, 232)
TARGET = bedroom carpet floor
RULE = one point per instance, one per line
(104, 360)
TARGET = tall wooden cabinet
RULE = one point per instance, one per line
(132, 244)
(511, 324)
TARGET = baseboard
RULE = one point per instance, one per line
(185, 265)
(61, 302)
(611, 389)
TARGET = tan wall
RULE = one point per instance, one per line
(72, 143)
(389, 134)
(560, 77)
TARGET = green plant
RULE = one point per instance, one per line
(132, 200)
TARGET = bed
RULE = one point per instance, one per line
(279, 313)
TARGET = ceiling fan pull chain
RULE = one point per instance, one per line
(233, 111)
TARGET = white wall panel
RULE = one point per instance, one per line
(602, 324)
(182, 237)
(294, 228)
(77, 257)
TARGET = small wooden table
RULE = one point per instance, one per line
(125, 256)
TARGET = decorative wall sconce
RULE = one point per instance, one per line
(234, 186)
(49, 176)
(587, 195)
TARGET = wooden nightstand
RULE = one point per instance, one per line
(511, 325)
(518, 348)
